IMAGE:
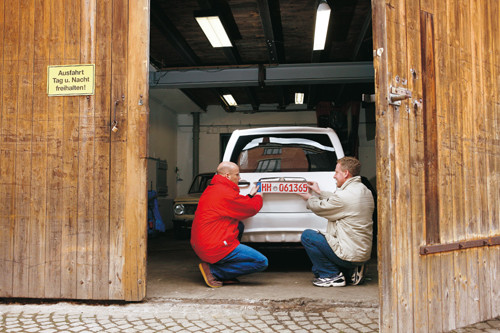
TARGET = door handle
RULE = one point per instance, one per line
(243, 183)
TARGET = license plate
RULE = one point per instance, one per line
(284, 187)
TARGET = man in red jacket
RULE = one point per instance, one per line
(217, 227)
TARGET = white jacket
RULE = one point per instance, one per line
(349, 213)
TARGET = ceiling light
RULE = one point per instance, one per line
(230, 100)
(322, 19)
(214, 30)
(299, 98)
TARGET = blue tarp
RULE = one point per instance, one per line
(155, 222)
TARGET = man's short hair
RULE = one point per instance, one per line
(351, 164)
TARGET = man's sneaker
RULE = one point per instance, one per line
(358, 276)
(336, 281)
(210, 280)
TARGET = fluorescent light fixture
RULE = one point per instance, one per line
(299, 98)
(230, 100)
(214, 30)
(322, 18)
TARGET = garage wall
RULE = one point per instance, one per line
(162, 145)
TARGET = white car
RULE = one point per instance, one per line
(282, 160)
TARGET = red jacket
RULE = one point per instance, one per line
(214, 233)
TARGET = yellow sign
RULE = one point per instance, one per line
(70, 80)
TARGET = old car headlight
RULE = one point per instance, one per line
(179, 209)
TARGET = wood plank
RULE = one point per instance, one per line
(430, 127)
(479, 287)
(119, 85)
(8, 131)
(134, 279)
(394, 22)
(482, 89)
(492, 72)
(447, 269)
(416, 161)
(495, 220)
(484, 133)
(469, 60)
(86, 161)
(495, 11)
(102, 151)
(402, 201)
(385, 184)
(70, 147)
(444, 102)
(23, 149)
(54, 167)
(39, 152)
(443, 121)
(456, 169)
(495, 279)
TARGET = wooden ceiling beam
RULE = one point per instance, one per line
(270, 16)
(170, 32)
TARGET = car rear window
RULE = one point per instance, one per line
(284, 153)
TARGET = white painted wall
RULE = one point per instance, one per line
(163, 145)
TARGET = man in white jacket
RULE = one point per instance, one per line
(347, 243)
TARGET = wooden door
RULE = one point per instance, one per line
(72, 191)
(437, 64)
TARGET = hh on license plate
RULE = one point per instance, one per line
(284, 187)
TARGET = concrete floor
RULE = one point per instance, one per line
(173, 274)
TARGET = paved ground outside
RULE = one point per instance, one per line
(282, 299)
(181, 317)
(184, 317)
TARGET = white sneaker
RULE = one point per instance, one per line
(358, 276)
(336, 281)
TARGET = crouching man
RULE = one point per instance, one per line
(217, 229)
(341, 252)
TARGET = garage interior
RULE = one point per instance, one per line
(271, 58)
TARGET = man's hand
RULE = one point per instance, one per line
(314, 187)
(304, 196)
(254, 192)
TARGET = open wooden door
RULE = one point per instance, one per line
(73, 194)
(437, 70)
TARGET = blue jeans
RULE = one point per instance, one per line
(242, 260)
(325, 261)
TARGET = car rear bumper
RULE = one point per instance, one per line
(280, 227)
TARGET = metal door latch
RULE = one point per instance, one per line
(396, 95)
